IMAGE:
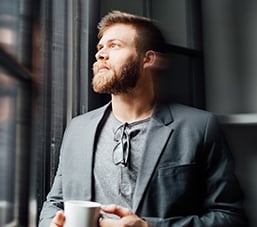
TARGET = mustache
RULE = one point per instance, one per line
(99, 65)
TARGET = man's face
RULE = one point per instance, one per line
(117, 67)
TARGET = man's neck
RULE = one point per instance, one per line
(127, 108)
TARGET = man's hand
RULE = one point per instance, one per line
(58, 220)
(127, 218)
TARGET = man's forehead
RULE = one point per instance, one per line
(119, 32)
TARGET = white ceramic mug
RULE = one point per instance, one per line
(80, 213)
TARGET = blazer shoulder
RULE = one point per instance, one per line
(191, 115)
(188, 111)
(86, 120)
(196, 121)
(91, 115)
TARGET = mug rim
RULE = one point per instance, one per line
(82, 203)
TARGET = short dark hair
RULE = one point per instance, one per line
(149, 36)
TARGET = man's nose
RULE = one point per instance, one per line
(101, 55)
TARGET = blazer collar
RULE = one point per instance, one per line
(162, 114)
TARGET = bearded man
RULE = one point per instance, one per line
(149, 163)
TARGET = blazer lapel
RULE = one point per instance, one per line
(87, 144)
(159, 132)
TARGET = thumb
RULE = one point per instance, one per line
(58, 219)
(118, 210)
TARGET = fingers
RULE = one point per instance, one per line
(108, 222)
(129, 221)
(58, 220)
(118, 210)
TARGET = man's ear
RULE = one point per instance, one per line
(149, 59)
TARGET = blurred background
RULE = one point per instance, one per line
(47, 48)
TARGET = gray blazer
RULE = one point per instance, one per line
(186, 176)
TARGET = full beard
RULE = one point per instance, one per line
(113, 83)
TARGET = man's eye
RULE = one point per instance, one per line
(114, 45)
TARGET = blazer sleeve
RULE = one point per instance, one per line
(54, 201)
(222, 204)
(67, 183)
